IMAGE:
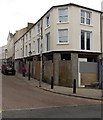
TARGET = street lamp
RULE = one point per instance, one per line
(29, 65)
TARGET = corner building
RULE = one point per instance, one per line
(67, 38)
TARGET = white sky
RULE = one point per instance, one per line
(16, 13)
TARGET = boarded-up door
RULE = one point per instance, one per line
(65, 73)
(37, 70)
(48, 71)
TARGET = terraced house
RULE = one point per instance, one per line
(64, 44)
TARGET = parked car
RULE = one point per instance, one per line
(8, 69)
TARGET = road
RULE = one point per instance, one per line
(19, 99)
(90, 111)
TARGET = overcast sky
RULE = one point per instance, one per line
(15, 14)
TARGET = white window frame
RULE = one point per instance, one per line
(61, 29)
(38, 45)
(63, 15)
(38, 28)
(33, 46)
(26, 50)
(25, 38)
(85, 17)
(29, 34)
(85, 40)
(47, 44)
(21, 52)
(47, 20)
(29, 47)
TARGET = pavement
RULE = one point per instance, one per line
(87, 93)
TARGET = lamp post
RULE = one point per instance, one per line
(29, 65)
(41, 37)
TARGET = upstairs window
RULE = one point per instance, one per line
(63, 35)
(26, 50)
(30, 34)
(38, 45)
(33, 47)
(29, 47)
(21, 52)
(86, 17)
(86, 40)
(26, 37)
(38, 28)
(48, 20)
(63, 15)
(82, 16)
(47, 41)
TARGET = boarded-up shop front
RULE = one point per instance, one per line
(88, 73)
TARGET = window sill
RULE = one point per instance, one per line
(29, 39)
(62, 22)
(47, 27)
(62, 43)
(86, 25)
(46, 51)
(33, 51)
(38, 34)
(86, 50)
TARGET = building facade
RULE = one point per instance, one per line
(10, 48)
(3, 54)
(65, 44)
(19, 47)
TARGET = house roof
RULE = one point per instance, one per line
(72, 4)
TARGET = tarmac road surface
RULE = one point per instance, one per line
(18, 95)
(85, 111)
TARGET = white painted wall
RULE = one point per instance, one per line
(74, 33)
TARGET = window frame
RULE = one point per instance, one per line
(26, 50)
(33, 46)
(38, 28)
(85, 40)
(29, 47)
(61, 29)
(38, 45)
(30, 35)
(47, 20)
(85, 17)
(26, 37)
(47, 42)
(63, 15)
